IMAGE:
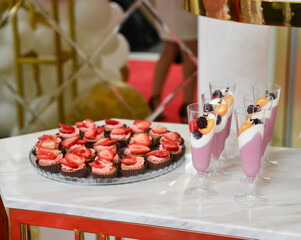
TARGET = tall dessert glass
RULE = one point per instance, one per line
(202, 123)
(250, 131)
(268, 94)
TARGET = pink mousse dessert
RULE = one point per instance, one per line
(250, 141)
(201, 141)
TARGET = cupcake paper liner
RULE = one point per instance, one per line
(76, 173)
(133, 172)
(156, 166)
(53, 168)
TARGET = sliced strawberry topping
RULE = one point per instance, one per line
(48, 137)
(193, 126)
(67, 163)
(74, 159)
(141, 138)
(172, 136)
(89, 123)
(159, 130)
(171, 146)
(82, 151)
(159, 153)
(42, 150)
(142, 124)
(111, 122)
(105, 142)
(121, 131)
(79, 124)
(91, 134)
(81, 141)
(97, 164)
(47, 144)
(129, 160)
(50, 156)
(138, 148)
(100, 130)
(68, 142)
(66, 129)
(107, 154)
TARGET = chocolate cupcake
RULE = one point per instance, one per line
(111, 124)
(105, 144)
(142, 139)
(158, 159)
(93, 135)
(157, 132)
(176, 150)
(172, 137)
(49, 162)
(122, 135)
(73, 166)
(85, 126)
(135, 150)
(102, 168)
(109, 155)
(67, 131)
(140, 126)
(83, 151)
(67, 143)
(132, 166)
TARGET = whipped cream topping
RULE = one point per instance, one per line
(135, 128)
(224, 119)
(107, 166)
(68, 135)
(51, 161)
(158, 159)
(101, 147)
(138, 164)
(120, 136)
(248, 134)
(198, 143)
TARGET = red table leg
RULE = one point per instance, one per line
(4, 232)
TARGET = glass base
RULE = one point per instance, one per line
(198, 193)
(250, 201)
(218, 176)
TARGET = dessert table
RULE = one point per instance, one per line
(152, 209)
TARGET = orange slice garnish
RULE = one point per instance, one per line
(244, 127)
(208, 129)
(229, 99)
(262, 101)
(222, 109)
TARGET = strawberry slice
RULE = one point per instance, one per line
(107, 154)
(171, 146)
(138, 148)
(129, 160)
(102, 141)
(91, 134)
(81, 141)
(111, 122)
(49, 156)
(47, 144)
(141, 138)
(54, 151)
(79, 124)
(172, 136)
(68, 142)
(159, 130)
(74, 159)
(89, 123)
(82, 151)
(69, 164)
(48, 137)
(100, 130)
(142, 124)
(159, 153)
(66, 127)
(66, 131)
(193, 126)
(121, 131)
(97, 164)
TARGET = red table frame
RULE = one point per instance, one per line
(104, 228)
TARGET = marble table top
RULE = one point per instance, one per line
(161, 201)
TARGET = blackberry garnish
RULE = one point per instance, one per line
(272, 95)
(208, 107)
(257, 121)
(201, 122)
(196, 134)
(218, 93)
(218, 120)
(252, 109)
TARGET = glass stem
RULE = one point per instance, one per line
(216, 164)
(251, 187)
(201, 181)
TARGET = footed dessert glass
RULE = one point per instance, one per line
(250, 131)
(202, 121)
(271, 91)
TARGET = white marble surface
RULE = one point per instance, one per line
(161, 201)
